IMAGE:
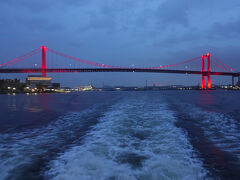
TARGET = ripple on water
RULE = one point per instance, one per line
(135, 139)
(23, 155)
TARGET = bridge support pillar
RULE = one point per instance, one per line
(44, 60)
(203, 82)
(203, 70)
(209, 86)
(209, 70)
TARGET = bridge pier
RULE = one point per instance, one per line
(208, 72)
(209, 86)
(203, 70)
(44, 60)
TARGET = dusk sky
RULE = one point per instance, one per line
(123, 33)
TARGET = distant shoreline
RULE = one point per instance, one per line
(35, 93)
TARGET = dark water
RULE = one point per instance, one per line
(121, 135)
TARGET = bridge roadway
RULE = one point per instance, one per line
(149, 70)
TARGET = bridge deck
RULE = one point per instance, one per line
(117, 70)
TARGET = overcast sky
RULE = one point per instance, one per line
(124, 32)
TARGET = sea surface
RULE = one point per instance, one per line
(148, 135)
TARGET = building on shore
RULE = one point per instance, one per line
(11, 85)
(40, 82)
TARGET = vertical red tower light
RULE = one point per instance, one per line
(44, 60)
(203, 70)
(209, 70)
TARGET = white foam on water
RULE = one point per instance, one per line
(136, 139)
(20, 149)
(221, 129)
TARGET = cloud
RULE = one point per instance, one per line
(122, 32)
(173, 12)
(226, 30)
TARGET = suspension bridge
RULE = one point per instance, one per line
(207, 66)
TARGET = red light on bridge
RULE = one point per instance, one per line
(44, 60)
(208, 54)
(209, 84)
(43, 47)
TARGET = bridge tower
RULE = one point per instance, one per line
(209, 70)
(44, 60)
(203, 70)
